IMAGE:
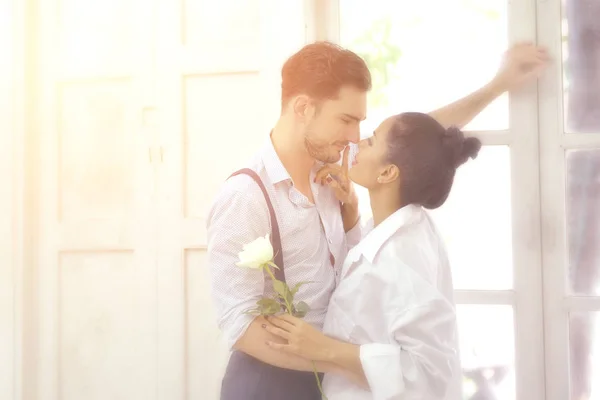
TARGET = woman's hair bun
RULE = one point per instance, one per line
(459, 148)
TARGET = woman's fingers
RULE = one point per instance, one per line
(290, 319)
(335, 185)
(345, 160)
(280, 322)
(326, 170)
(277, 331)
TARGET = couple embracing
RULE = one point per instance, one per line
(341, 308)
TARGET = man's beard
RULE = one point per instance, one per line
(319, 153)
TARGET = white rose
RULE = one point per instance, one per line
(256, 254)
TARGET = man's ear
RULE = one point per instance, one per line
(301, 106)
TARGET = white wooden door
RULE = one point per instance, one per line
(96, 266)
(8, 190)
(219, 85)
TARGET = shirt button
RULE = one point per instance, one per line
(330, 241)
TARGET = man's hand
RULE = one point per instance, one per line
(522, 63)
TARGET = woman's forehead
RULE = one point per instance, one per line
(385, 126)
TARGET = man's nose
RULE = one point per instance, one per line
(353, 135)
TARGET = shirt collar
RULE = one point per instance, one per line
(375, 239)
(275, 169)
(273, 165)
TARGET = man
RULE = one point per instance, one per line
(324, 97)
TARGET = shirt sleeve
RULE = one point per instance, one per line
(238, 216)
(354, 235)
(419, 362)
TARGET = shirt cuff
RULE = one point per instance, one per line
(354, 235)
(383, 369)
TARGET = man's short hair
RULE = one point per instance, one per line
(320, 69)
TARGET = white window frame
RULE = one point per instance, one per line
(523, 139)
(553, 144)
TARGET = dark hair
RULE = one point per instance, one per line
(320, 69)
(427, 156)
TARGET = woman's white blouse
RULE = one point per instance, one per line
(394, 299)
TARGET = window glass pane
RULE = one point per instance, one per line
(581, 65)
(421, 60)
(583, 220)
(475, 221)
(486, 335)
(584, 362)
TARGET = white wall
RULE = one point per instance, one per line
(7, 276)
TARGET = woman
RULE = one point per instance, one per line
(390, 331)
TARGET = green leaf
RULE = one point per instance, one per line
(279, 287)
(298, 286)
(265, 301)
(265, 306)
(283, 290)
(268, 306)
(301, 309)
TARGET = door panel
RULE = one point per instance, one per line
(10, 178)
(96, 269)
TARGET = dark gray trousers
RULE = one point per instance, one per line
(247, 378)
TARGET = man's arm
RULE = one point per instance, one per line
(234, 289)
(522, 63)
